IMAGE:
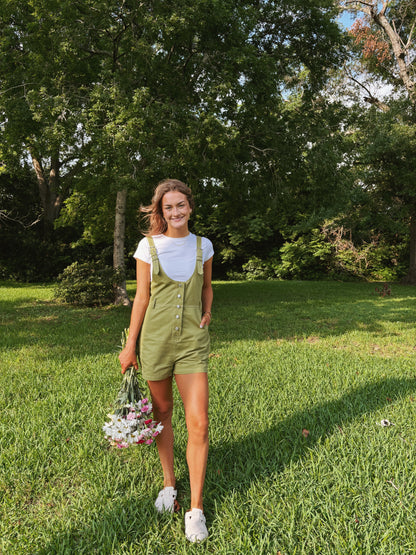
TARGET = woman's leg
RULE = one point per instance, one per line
(193, 389)
(162, 401)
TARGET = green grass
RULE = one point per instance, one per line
(330, 358)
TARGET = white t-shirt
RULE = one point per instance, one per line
(177, 256)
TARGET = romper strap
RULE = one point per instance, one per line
(199, 265)
(153, 254)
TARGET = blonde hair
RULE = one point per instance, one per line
(154, 212)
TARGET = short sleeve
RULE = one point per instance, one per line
(207, 249)
(143, 251)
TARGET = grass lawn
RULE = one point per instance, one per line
(301, 375)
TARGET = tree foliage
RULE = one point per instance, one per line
(106, 98)
(386, 34)
(384, 38)
(41, 83)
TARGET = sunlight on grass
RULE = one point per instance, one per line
(301, 375)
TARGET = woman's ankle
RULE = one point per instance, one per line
(169, 482)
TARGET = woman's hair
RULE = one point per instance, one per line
(154, 212)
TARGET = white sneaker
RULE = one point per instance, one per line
(195, 529)
(165, 502)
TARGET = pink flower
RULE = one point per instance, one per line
(122, 445)
(144, 409)
(140, 441)
(144, 401)
(131, 416)
(149, 441)
(148, 421)
(155, 434)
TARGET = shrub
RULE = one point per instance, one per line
(87, 284)
(371, 259)
(308, 257)
(256, 268)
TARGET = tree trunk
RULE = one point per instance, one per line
(121, 296)
(410, 279)
(51, 202)
(55, 199)
(399, 53)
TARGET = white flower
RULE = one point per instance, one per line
(135, 427)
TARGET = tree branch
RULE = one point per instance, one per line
(363, 7)
(5, 216)
(399, 54)
(98, 52)
(400, 50)
(409, 40)
(262, 150)
(18, 87)
(371, 99)
(383, 9)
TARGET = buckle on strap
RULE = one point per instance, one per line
(153, 254)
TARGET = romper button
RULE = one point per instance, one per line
(176, 328)
(177, 316)
(178, 306)
(179, 296)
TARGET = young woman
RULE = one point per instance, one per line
(171, 313)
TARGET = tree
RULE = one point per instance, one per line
(187, 88)
(110, 97)
(24, 254)
(385, 35)
(41, 84)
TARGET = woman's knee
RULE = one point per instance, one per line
(162, 399)
(197, 425)
(163, 409)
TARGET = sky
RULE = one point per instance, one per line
(347, 19)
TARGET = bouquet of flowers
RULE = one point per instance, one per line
(131, 422)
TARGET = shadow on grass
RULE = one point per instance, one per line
(246, 310)
(46, 324)
(125, 521)
(243, 311)
(232, 467)
(285, 310)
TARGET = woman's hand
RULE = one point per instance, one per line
(206, 319)
(128, 358)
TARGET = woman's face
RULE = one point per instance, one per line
(176, 211)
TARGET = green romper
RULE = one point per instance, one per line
(171, 340)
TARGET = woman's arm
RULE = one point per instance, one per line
(207, 294)
(128, 355)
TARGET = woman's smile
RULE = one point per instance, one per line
(176, 211)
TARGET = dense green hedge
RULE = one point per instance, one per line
(87, 284)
